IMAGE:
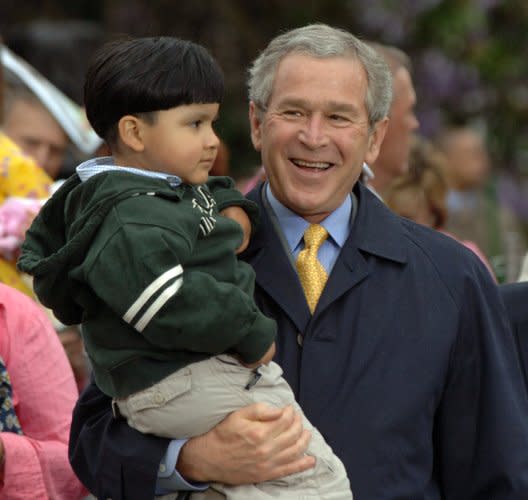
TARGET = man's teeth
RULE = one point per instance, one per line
(312, 164)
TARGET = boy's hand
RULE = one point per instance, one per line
(262, 361)
(239, 215)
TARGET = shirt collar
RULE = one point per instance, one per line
(338, 223)
(96, 166)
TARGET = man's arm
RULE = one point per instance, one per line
(110, 458)
(481, 436)
(253, 444)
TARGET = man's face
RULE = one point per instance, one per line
(314, 135)
(393, 159)
(38, 134)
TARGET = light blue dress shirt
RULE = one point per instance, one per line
(338, 224)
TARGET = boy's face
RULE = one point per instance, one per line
(182, 142)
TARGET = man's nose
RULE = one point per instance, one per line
(41, 155)
(313, 132)
(415, 123)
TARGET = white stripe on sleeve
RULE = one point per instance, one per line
(158, 304)
(153, 288)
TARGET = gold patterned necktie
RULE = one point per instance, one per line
(311, 273)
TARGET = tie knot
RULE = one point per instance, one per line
(314, 236)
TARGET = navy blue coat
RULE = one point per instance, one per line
(407, 367)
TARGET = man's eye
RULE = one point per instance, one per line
(292, 113)
(196, 123)
(339, 118)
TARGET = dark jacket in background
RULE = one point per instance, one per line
(515, 298)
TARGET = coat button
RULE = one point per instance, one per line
(300, 339)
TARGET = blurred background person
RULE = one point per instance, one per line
(59, 49)
(523, 275)
(20, 177)
(393, 159)
(37, 398)
(421, 193)
(474, 211)
(24, 187)
(29, 123)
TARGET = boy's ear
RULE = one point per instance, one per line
(130, 130)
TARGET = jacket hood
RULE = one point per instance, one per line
(58, 239)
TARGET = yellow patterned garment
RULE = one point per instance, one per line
(311, 272)
(19, 176)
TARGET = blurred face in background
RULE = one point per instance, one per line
(467, 162)
(393, 159)
(36, 132)
(411, 202)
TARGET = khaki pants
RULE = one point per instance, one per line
(199, 396)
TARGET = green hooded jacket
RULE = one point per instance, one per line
(150, 272)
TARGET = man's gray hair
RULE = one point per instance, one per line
(322, 41)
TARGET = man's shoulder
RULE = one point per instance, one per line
(453, 263)
(435, 259)
(433, 242)
(384, 229)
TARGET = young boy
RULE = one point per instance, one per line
(134, 247)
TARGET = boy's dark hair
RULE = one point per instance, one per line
(145, 75)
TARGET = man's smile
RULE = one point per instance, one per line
(317, 165)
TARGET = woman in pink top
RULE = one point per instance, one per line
(35, 464)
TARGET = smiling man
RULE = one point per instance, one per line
(314, 135)
(404, 363)
(393, 159)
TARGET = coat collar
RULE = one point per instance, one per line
(376, 231)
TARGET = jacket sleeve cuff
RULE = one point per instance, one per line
(169, 479)
(254, 345)
(227, 196)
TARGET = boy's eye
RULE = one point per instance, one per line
(196, 123)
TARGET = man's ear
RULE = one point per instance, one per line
(255, 122)
(130, 129)
(375, 140)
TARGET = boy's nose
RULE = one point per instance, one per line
(212, 140)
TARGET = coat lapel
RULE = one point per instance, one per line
(273, 268)
(376, 231)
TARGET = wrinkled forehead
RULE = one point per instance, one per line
(299, 71)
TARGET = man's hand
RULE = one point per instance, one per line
(254, 444)
(239, 215)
